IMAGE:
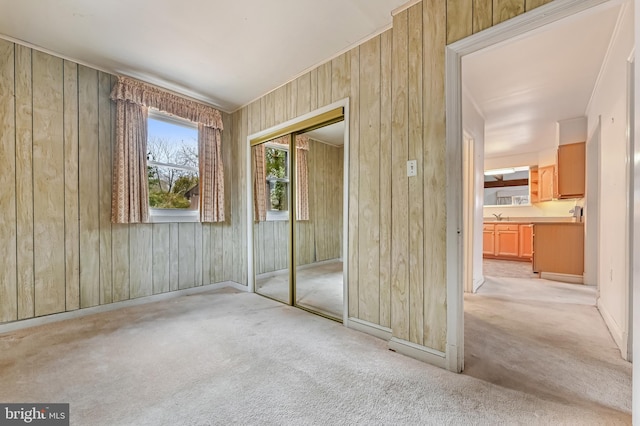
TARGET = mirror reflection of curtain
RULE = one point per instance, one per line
(259, 189)
(302, 178)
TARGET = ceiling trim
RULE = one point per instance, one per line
(202, 100)
(404, 7)
(605, 61)
(56, 54)
(313, 67)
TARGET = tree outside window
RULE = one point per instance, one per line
(172, 164)
(277, 172)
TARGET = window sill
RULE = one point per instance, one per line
(273, 215)
(173, 216)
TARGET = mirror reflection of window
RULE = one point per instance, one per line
(507, 186)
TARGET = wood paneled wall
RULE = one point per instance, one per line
(395, 84)
(58, 249)
(319, 238)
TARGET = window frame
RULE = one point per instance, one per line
(278, 215)
(157, 215)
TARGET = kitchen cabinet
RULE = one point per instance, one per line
(546, 183)
(506, 240)
(571, 170)
(534, 184)
(488, 240)
(558, 248)
(525, 237)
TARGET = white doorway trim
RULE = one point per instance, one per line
(344, 103)
(508, 30)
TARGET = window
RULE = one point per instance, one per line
(277, 181)
(172, 163)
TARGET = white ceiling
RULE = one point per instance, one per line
(523, 87)
(332, 134)
(227, 53)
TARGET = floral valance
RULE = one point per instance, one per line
(302, 142)
(138, 92)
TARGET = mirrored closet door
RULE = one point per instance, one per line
(298, 190)
(271, 166)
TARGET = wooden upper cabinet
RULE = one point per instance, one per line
(546, 183)
(571, 170)
(534, 184)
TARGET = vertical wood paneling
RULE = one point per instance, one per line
(186, 255)
(459, 19)
(532, 4)
(48, 188)
(237, 155)
(216, 272)
(324, 84)
(313, 76)
(506, 9)
(89, 190)
(174, 256)
(104, 186)
(342, 89)
(228, 236)
(120, 262)
(8, 278)
(281, 104)
(140, 260)
(268, 112)
(482, 15)
(304, 94)
(71, 201)
(161, 257)
(369, 190)
(340, 76)
(416, 189)
(241, 266)
(24, 181)
(435, 290)
(206, 254)
(119, 243)
(399, 188)
(197, 242)
(385, 178)
(293, 101)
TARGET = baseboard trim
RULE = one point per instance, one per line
(421, 353)
(565, 278)
(478, 283)
(367, 327)
(79, 313)
(616, 332)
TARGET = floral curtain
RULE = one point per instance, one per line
(259, 186)
(211, 175)
(130, 191)
(141, 93)
(130, 194)
(302, 178)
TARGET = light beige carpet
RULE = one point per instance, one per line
(226, 357)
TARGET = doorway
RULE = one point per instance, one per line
(297, 174)
(456, 225)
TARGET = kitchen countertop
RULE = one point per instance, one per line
(534, 220)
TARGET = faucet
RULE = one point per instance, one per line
(498, 216)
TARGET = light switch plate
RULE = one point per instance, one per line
(412, 166)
